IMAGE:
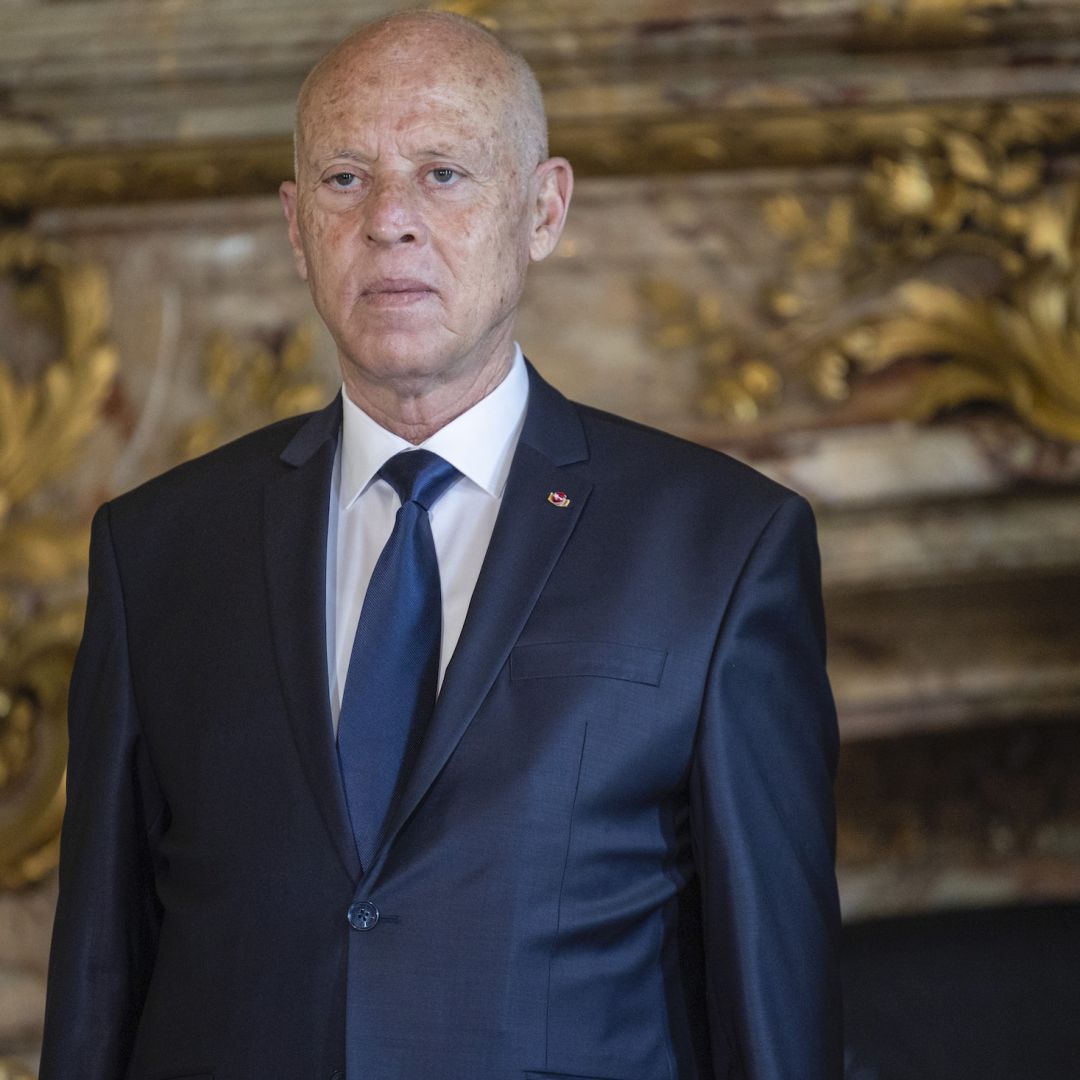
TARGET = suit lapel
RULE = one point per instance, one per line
(294, 528)
(529, 535)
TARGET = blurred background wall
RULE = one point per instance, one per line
(839, 239)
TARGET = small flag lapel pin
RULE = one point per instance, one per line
(559, 499)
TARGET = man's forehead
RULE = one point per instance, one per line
(428, 120)
(423, 59)
(397, 90)
(437, 113)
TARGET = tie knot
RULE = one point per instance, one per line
(419, 476)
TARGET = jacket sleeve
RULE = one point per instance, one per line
(763, 818)
(107, 918)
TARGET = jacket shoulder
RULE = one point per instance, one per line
(651, 457)
(224, 476)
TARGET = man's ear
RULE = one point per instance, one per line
(553, 183)
(287, 193)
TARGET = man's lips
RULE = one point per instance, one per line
(391, 292)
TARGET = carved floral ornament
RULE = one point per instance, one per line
(252, 381)
(43, 422)
(956, 253)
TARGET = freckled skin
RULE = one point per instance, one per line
(415, 214)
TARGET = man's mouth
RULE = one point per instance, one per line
(395, 292)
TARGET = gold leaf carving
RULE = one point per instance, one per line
(1023, 352)
(908, 22)
(252, 382)
(34, 674)
(733, 384)
(43, 422)
(41, 551)
(1012, 339)
(967, 158)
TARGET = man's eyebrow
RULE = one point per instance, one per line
(343, 152)
(431, 150)
(474, 153)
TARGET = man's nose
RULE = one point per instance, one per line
(393, 215)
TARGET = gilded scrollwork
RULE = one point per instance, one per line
(958, 253)
(252, 381)
(734, 384)
(973, 259)
(44, 421)
(914, 22)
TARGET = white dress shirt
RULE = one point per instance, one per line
(480, 444)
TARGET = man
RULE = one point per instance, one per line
(605, 850)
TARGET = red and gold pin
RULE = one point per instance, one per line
(559, 499)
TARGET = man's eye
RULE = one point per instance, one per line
(443, 176)
(343, 179)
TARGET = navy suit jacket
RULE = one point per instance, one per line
(613, 858)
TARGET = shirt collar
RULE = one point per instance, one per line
(479, 443)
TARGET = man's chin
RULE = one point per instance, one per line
(420, 355)
(401, 357)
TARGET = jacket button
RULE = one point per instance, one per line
(363, 915)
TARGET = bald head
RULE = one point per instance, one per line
(443, 43)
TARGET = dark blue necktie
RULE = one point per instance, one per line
(394, 667)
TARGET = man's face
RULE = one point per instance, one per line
(414, 216)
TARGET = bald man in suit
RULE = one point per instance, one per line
(456, 731)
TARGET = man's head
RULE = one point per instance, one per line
(423, 191)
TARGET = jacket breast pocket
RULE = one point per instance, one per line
(596, 659)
